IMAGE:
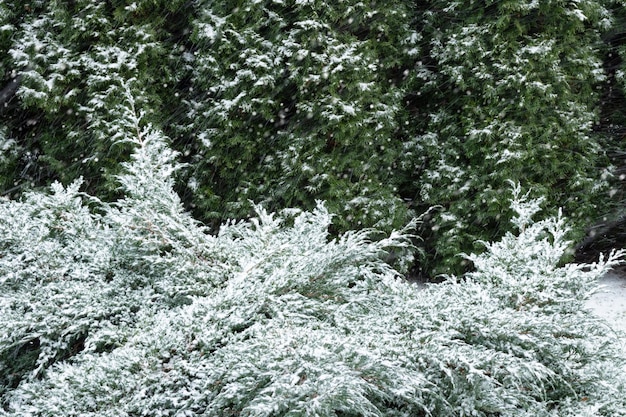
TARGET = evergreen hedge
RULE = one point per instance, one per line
(381, 110)
(510, 92)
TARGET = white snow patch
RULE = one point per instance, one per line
(579, 14)
(609, 303)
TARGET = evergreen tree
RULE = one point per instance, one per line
(70, 57)
(14, 161)
(285, 102)
(510, 93)
(295, 101)
(609, 230)
(612, 99)
(381, 110)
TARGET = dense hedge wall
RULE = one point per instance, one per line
(383, 110)
(510, 92)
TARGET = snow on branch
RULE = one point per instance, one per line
(139, 311)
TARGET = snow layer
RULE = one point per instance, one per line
(609, 302)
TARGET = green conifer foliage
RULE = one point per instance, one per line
(70, 57)
(615, 111)
(298, 100)
(380, 109)
(608, 228)
(14, 161)
(509, 93)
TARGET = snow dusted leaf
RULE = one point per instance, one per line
(524, 208)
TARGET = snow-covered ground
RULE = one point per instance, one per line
(610, 301)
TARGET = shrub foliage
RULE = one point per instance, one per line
(131, 308)
(511, 91)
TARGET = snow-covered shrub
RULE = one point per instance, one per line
(131, 308)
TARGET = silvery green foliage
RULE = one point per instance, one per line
(153, 231)
(76, 272)
(131, 308)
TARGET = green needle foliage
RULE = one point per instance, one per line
(131, 308)
(69, 58)
(509, 91)
(295, 101)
